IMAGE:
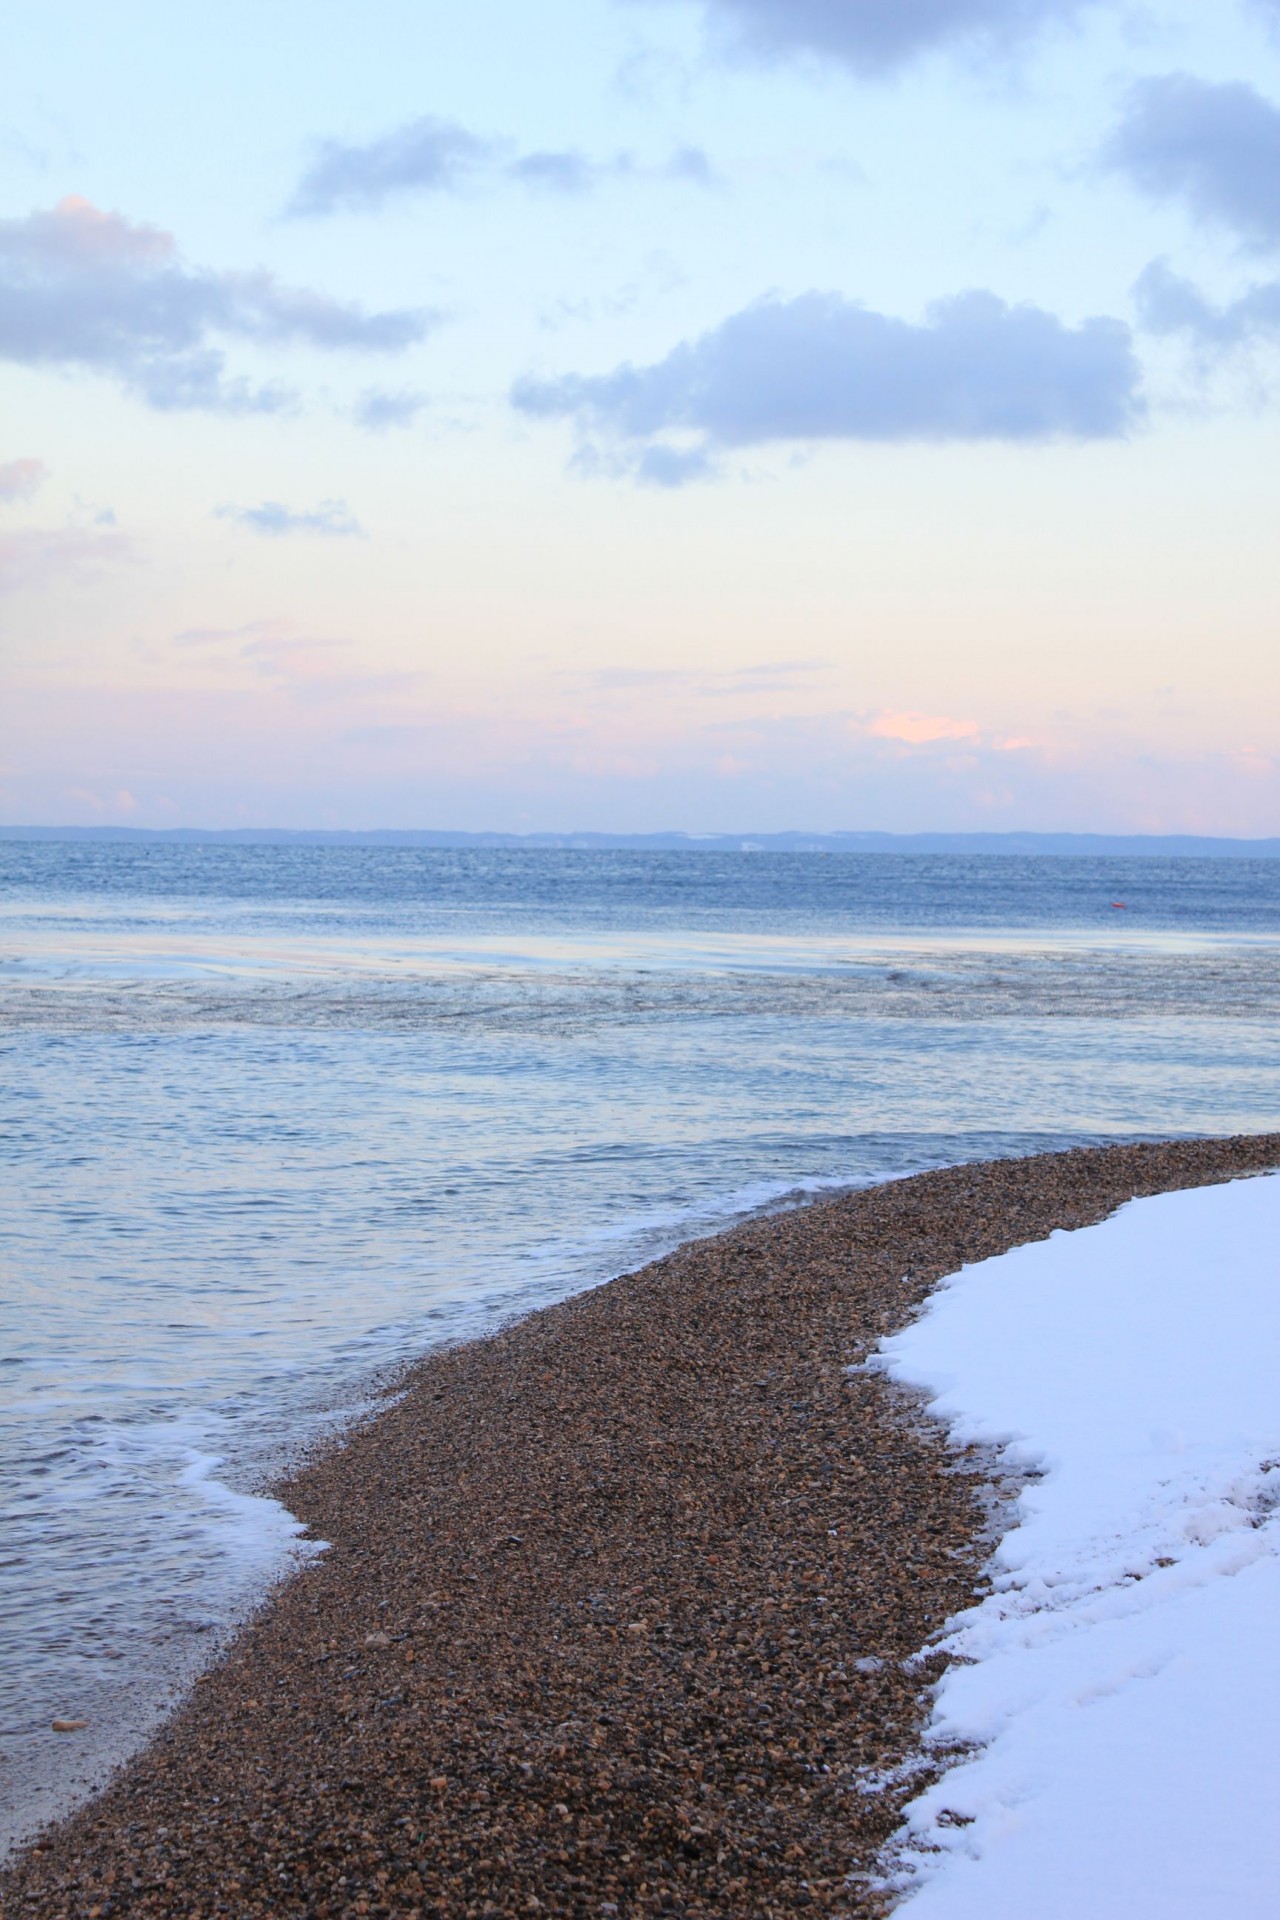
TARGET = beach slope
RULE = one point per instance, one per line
(616, 1605)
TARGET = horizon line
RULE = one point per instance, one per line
(1063, 842)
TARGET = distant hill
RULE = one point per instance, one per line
(1035, 845)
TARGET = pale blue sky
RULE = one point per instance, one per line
(570, 417)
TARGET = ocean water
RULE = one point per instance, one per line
(275, 1120)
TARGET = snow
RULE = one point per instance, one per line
(1121, 1700)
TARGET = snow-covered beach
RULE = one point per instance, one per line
(1121, 1681)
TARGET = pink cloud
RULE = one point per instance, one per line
(274, 628)
(292, 657)
(921, 729)
(48, 556)
(1253, 761)
(19, 479)
(75, 230)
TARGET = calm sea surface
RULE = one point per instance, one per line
(273, 1120)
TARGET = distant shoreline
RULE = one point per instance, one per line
(1087, 846)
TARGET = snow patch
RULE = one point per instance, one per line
(1117, 1696)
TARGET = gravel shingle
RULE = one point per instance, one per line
(617, 1603)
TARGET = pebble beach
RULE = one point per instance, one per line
(616, 1603)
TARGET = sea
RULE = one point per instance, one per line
(274, 1120)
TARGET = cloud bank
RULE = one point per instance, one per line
(317, 736)
(332, 519)
(823, 368)
(877, 36)
(1215, 147)
(88, 289)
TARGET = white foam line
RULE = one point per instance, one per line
(265, 1534)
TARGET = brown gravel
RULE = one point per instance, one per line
(615, 1608)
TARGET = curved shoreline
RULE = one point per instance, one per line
(616, 1602)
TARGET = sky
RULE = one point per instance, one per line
(718, 415)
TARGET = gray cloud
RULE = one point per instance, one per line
(332, 519)
(378, 410)
(876, 36)
(573, 172)
(662, 466)
(1169, 304)
(19, 479)
(567, 172)
(822, 368)
(692, 164)
(1215, 147)
(426, 154)
(83, 288)
(438, 156)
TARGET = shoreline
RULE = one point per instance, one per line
(616, 1601)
